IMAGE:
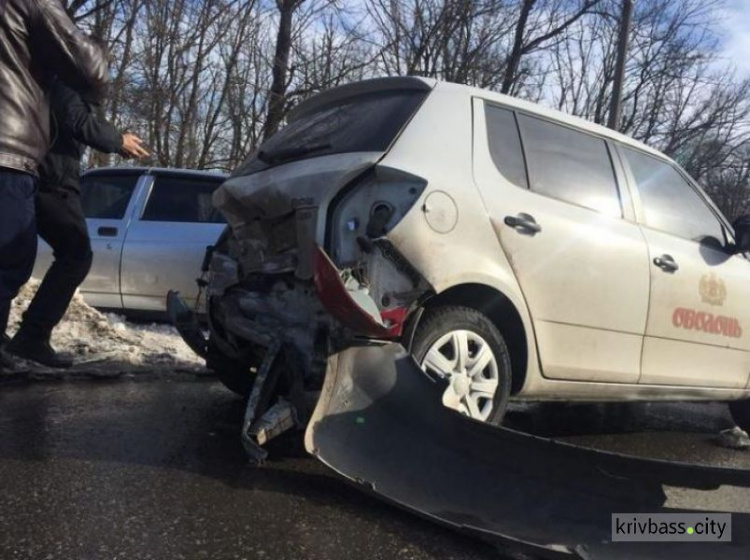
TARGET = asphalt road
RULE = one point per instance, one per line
(153, 468)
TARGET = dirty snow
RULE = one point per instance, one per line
(107, 343)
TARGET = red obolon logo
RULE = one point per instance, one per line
(706, 322)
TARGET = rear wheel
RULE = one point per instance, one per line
(741, 413)
(463, 347)
(235, 375)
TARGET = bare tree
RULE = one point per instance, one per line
(205, 82)
(280, 67)
(453, 40)
(539, 22)
(81, 10)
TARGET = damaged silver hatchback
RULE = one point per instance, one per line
(403, 249)
(515, 252)
(334, 235)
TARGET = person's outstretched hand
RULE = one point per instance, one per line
(132, 146)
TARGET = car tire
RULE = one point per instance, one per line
(440, 330)
(237, 381)
(236, 376)
(741, 413)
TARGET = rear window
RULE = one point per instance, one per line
(106, 197)
(365, 123)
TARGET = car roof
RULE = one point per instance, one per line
(427, 84)
(551, 114)
(172, 171)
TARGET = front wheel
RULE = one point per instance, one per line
(464, 348)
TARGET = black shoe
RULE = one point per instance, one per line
(36, 350)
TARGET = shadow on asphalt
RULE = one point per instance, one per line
(566, 420)
(191, 425)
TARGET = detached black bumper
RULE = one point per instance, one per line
(380, 423)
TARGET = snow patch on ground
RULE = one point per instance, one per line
(107, 342)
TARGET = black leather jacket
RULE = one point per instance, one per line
(39, 41)
(75, 126)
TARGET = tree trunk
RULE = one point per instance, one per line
(514, 60)
(277, 93)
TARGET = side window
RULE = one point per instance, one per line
(505, 145)
(669, 201)
(570, 166)
(107, 197)
(177, 199)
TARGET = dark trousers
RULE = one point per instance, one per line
(61, 223)
(17, 236)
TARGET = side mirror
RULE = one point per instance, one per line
(742, 234)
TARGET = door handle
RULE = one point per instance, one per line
(666, 263)
(524, 222)
(106, 231)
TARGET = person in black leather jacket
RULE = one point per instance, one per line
(60, 219)
(39, 41)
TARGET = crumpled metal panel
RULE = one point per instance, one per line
(380, 423)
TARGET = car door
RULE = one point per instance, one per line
(108, 200)
(560, 216)
(700, 292)
(167, 240)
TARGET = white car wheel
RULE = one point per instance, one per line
(463, 347)
(466, 361)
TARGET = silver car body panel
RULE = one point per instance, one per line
(161, 256)
(135, 268)
(583, 356)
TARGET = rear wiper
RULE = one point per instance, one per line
(278, 156)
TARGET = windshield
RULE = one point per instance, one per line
(365, 123)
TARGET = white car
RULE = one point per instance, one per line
(515, 251)
(149, 230)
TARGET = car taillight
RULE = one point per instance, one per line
(369, 208)
(352, 308)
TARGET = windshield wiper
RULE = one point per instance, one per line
(278, 156)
